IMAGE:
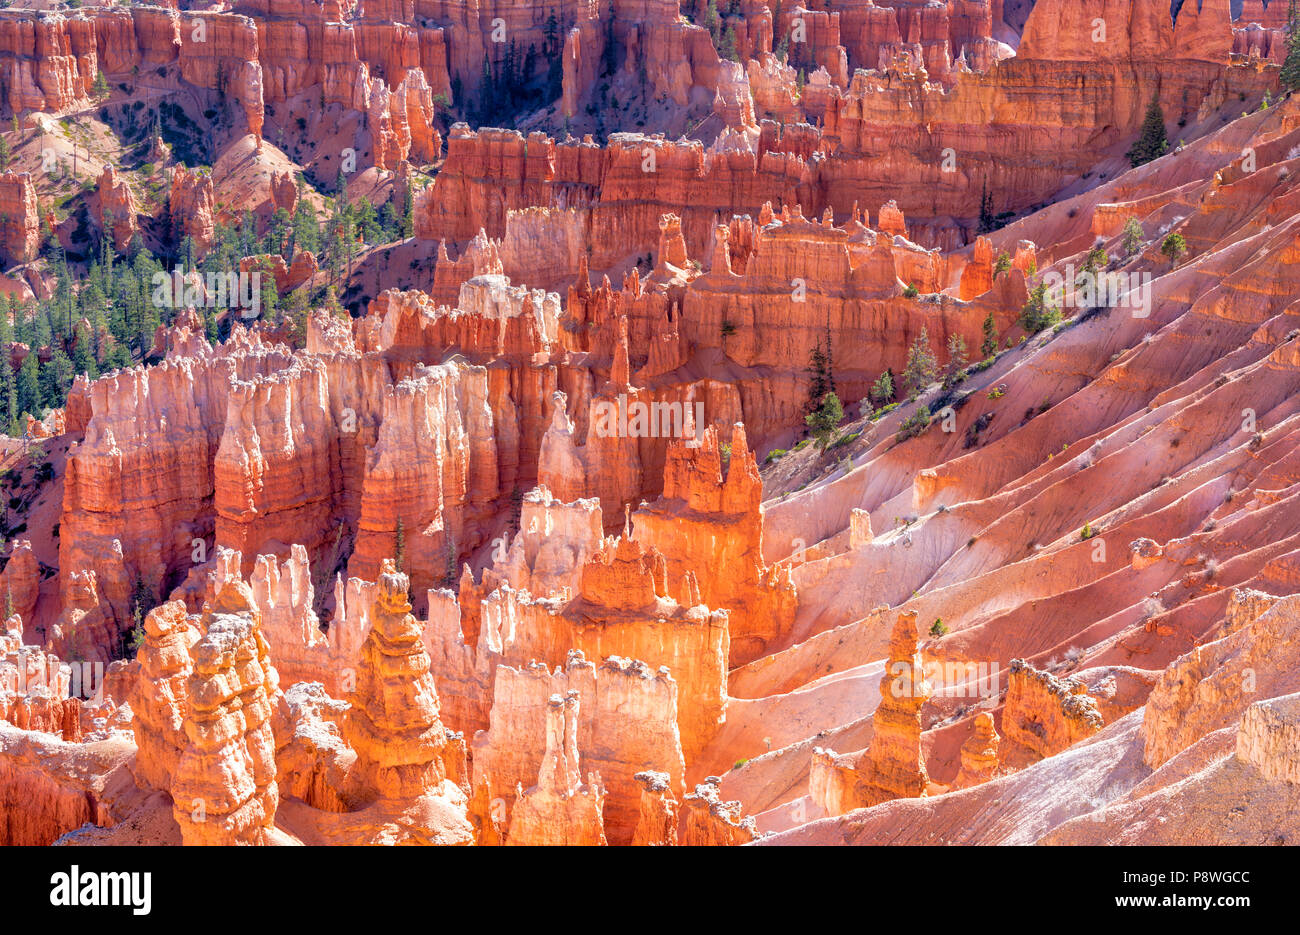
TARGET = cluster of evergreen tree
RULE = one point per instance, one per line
(100, 320)
(720, 28)
(510, 85)
(101, 315)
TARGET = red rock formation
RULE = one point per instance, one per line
(560, 809)
(115, 209)
(223, 789)
(160, 697)
(36, 688)
(312, 760)
(704, 524)
(979, 754)
(20, 232)
(656, 824)
(894, 766)
(393, 724)
(708, 821)
(1044, 715)
(1212, 685)
(621, 610)
(631, 723)
(20, 581)
(192, 207)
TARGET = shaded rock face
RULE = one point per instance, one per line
(223, 788)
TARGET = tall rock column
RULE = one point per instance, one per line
(394, 724)
(895, 767)
(224, 789)
(20, 232)
(161, 695)
(560, 809)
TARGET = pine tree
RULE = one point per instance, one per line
(988, 222)
(1152, 143)
(1133, 234)
(8, 396)
(728, 49)
(399, 546)
(819, 378)
(824, 420)
(1174, 247)
(957, 361)
(922, 365)
(1290, 76)
(883, 389)
(1038, 313)
(989, 346)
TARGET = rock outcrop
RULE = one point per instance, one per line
(160, 698)
(21, 228)
(894, 766)
(560, 808)
(393, 723)
(1045, 714)
(223, 788)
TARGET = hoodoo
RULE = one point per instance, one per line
(650, 424)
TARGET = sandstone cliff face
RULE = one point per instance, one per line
(621, 610)
(115, 209)
(1269, 738)
(35, 687)
(708, 821)
(656, 824)
(713, 528)
(223, 788)
(20, 580)
(192, 205)
(979, 754)
(312, 759)
(554, 541)
(630, 724)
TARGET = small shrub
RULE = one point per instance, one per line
(938, 628)
(915, 424)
